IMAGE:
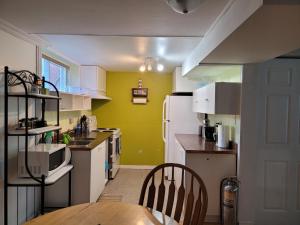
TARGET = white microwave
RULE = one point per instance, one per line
(44, 159)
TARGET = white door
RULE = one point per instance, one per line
(278, 143)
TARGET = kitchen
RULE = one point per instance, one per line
(121, 94)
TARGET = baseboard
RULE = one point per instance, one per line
(137, 167)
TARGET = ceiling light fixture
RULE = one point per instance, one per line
(184, 6)
(149, 64)
(160, 67)
(149, 67)
(142, 68)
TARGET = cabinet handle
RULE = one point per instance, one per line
(206, 99)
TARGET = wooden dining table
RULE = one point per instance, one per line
(104, 213)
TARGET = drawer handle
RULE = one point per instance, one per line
(206, 99)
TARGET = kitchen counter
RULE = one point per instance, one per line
(193, 143)
(211, 163)
(99, 138)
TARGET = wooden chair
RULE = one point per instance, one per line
(194, 212)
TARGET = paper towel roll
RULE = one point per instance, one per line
(223, 136)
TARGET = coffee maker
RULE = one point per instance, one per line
(206, 131)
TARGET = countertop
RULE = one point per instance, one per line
(193, 143)
(99, 138)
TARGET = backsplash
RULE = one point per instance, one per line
(68, 120)
(233, 121)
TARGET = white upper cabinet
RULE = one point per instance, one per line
(93, 78)
(218, 98)
(182, 84)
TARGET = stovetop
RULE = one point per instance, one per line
(106, 129)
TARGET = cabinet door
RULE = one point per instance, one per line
(198, 100)
(212, 168)
(210, 93)
(102, 80)
(89, 77)
(201, 100)
(97, 172)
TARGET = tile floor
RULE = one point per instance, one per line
(126, 187)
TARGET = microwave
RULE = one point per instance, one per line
(43, 159)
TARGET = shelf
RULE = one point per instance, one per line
(32, 95)
(14, 180)
(46, 148)
(33, 132)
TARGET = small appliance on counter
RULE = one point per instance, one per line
(223, 136)
(207, 131)
(43, 159)
(92, 123)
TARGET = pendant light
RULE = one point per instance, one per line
(184, 6)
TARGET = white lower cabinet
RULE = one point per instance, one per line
(88, 175)
(97, 181)
(212, 168)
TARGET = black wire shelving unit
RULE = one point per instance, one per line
(25, 79)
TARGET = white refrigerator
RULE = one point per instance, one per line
(178, 118)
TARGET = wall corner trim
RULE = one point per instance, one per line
(18, 33)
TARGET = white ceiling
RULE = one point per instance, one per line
(118, 34)
(123, 53)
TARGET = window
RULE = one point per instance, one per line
(55, 72)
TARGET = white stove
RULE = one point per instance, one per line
(115, 131)
(114, 150)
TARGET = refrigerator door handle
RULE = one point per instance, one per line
(164, 120)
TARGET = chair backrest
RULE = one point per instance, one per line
(195, 212)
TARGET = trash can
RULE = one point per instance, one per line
(229, 201)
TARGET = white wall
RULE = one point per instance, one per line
(17, 54)
(247, 156)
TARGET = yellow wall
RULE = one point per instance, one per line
(140, 124)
